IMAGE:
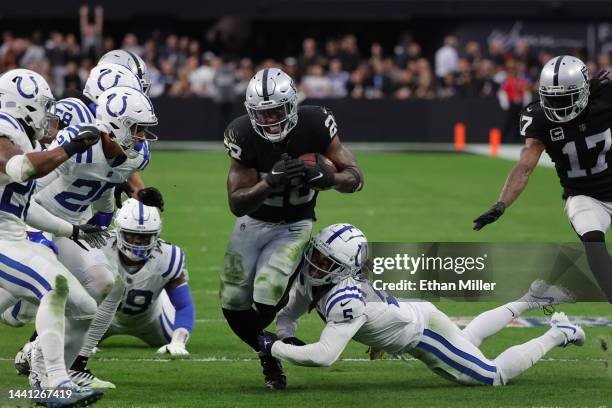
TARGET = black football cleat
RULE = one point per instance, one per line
(273, 373)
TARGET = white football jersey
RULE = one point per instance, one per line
(86, 179)
(14, 197)
(142, 288)
(390, 325)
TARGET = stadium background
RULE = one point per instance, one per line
(388, 98)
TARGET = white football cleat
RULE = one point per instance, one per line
(85, 378)
(23, 358)
(38, 374)
(544, 294)
(572, 332)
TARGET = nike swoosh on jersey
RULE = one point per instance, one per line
(342, 304)
(277, 172)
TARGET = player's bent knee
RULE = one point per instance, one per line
(235, 297)
(593, 236)
(100, 282)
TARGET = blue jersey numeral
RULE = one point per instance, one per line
(19, 207)
(79, 202)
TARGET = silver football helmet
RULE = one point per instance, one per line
(271, 102)
(337, 252)
(564, 88)
(131, 61)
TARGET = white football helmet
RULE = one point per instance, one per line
(107, 76)
(334, 254)
(131, 61)
(26, 95)
(125, 113)
(138, 227)
(271, 102)
(564, 88)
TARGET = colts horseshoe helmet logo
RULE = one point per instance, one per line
(123, 106)
(103, 73)
(18, 81)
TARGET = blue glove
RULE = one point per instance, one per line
(39, 238)
(101, 219)
(265, 342)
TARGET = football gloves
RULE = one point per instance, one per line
(148, 196)
(176, 347)
(265, 342)
(319, 177)
(284, 170)
(87, 136)
(490, 216)
(93, 235)
(294, 341)
(121, 189)
(152, 197)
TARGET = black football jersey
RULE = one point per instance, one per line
(579, 148)
(315, 129)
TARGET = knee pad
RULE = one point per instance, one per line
(593, 236)
(99, 282)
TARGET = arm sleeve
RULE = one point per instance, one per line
(43, 220)
(326, 351)
(181, 299)
(287, 319)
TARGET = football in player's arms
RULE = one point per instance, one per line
(571, 122)
(273, 193)
(352, 309)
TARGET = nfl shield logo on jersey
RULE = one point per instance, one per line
(556, 134)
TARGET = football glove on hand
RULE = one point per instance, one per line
(39, 238)
(176, 347)
(92, 234)
(319, 177)
(284, 170)
(490, 216)
(87, 136)
(119, 190)
(265, 342)
(152, 197)
(294, 341)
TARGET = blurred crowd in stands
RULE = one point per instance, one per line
(334, 68)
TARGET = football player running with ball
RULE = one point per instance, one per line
(273, 194)
(571, 122)
(352, 309)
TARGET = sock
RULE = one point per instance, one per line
(103, 318)
(492, 321)
(517, 359)
(246, 324)
(601, 265)
(50, 326)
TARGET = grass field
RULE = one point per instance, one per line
(407, 197)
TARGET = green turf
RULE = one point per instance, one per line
(407, 197)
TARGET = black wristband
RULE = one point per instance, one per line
(71, 148)
(355, 172)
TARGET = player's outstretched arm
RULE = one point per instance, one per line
(349, 178)
(22, 167)
(244, 189)
(325, 352)
(515, 182)
(180, 297)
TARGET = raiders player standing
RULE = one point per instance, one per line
(273, 195)
(571, 122)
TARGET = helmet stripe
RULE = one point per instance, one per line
(137, 63)
(338, 233)
(140, 213)
(556, 73)
(264, 85)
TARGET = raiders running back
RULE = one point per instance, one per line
(313, 133)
